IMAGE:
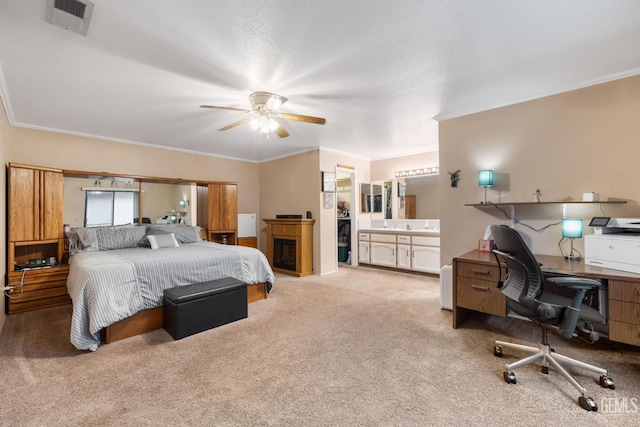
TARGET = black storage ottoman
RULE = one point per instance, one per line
(195, 308)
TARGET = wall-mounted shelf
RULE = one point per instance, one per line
(512, 205)
(484, 205)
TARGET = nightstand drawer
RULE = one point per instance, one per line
(39, 289)
(480, 295)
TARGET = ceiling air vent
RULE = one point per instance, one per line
(72, 15)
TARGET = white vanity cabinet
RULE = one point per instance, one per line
(425, 254)
(383, 250)
(403, 252)
(363, 248)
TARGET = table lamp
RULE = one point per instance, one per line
(572, 229)
(485, 179)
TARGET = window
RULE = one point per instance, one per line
(110, 207)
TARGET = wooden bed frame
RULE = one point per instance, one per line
(151, 319)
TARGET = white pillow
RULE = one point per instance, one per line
(162, 241)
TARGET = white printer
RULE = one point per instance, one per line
(615, 244)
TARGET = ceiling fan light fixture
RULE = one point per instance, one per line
(275, 102)
(264, 124)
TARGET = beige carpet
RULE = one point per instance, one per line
(363, 347)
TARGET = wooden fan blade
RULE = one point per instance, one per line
(238, 123)
(306, 119)
(225, 108)
(282, 132)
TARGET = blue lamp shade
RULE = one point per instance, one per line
(572, 228)
(485, 178)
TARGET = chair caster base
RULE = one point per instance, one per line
(509, 377)
(587, 403)
(497, 351)
(607, 382)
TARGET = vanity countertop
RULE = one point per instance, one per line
(419, 232)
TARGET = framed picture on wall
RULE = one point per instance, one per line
(328, 181)
(328, 200)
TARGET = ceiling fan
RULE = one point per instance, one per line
(266, 107)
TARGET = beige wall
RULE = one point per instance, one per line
(70, 152)
(290, 186)
(567, 144)
(386, 168)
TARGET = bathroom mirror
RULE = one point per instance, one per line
(417, 198)
(388, 200)
(376, 192)
(365, 198)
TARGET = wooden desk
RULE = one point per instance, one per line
(475, 276)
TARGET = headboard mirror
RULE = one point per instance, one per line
(114, 200)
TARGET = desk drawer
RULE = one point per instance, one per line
(627, 312)
(624, 291)
(480, 295)
(624, 312)
(478, 271)
(624, 332)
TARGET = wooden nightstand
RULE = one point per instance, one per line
(42, 288)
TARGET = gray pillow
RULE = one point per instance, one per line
(183, 233)
(119, 237)
(151, 231)
(82, 240)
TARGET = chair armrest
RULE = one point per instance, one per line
(571, 314)
(571, 282)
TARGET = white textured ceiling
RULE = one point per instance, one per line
(378, 71)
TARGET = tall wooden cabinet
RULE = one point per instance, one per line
(218, 211)
(34, 227)
(223, 212)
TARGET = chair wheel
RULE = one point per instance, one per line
(545, 370)
(607, 382)
(497, 351)
(587, 403)
(509, 377)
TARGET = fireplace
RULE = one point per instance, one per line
(290, 245)
(284, 254)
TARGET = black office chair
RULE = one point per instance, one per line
(526, 296)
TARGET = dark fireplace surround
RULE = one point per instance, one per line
(284, 253)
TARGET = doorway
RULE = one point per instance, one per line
(347, 210)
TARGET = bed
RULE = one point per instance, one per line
(117, 276)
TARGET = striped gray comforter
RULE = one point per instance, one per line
(109, 286)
